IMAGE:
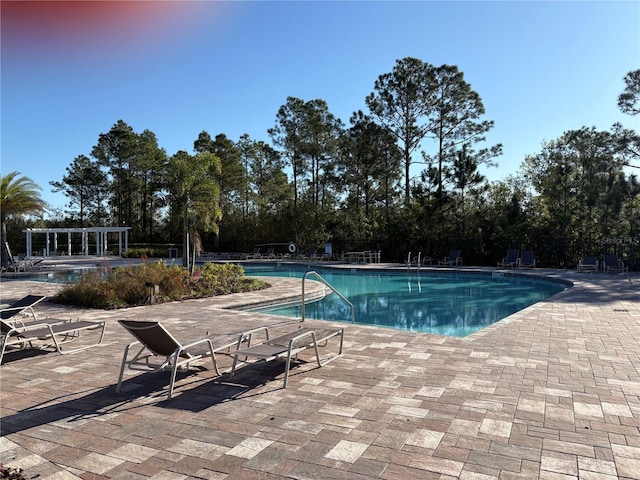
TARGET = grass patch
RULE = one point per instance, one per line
(128, 286)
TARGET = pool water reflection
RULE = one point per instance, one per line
(443, 303)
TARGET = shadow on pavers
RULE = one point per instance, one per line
(149, 389)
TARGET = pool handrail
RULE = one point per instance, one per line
(313, 272)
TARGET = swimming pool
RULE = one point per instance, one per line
(442, 303)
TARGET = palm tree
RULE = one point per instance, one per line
(195, 196)
(18, 196)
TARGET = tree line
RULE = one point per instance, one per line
(402, 176)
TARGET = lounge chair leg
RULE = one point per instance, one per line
(233, 367)
(215, 363)
(124, 361)
(288, 365)
(174, 371)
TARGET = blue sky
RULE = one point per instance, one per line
(178, 68)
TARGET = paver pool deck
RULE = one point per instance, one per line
(551, 392)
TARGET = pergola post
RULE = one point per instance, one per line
(29, 244)
(102, 239)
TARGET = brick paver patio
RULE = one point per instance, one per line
(552, 392)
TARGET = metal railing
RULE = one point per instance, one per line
(313, 272)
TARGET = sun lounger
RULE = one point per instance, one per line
(510, 261)
(612, 264)
(24, 305)
(288, 346)
(454, 258)
(527, 259)
(54, 333)
(588, 264)
(156, 341)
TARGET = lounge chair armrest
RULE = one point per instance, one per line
(38, 324)
(248, 335)
(308, 333)
(186, 346)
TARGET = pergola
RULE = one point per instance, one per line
(101, 234)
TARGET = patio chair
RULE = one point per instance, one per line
(156, 341)
(288, 346)
(611, 263)
(454, 258)
(527, 259)
(54, 334)
(510, 261)
(310, 255)
(588, 264)
(254, 255)
(24, 305)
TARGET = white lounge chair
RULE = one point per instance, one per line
(53, 333)
(156, 341)
(288, 346)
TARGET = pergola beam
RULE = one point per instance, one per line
(101, 239)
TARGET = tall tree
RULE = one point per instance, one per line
(372, 164)
(132, 161)
(322, 133)
(456, 121)
(116, 150)
(269, 195)
(19, 195)
(288, 134)
(402, 101)
(466, 179)
(629, 99)
(629, 103)
(149, 164)
(86, 186)
(580, 183)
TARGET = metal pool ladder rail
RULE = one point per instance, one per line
(313, 272)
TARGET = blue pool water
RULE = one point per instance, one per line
(443, 303)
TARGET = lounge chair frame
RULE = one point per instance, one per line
(527, 259)
(25, 304)
(588, 264)
(155, 341)
(288, 346)
(53, 333)
(454, 258)
(612, 264)
(510, 261)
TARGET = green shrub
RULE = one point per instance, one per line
(129, 286)
(146, 252)
(220, 279)
(89, 291)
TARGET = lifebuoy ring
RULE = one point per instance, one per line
(292, 248)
